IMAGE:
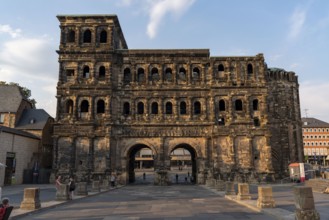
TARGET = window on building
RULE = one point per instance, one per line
(102, 72)
(100, 106)
(2, 118)
(238, 105)
(85, 72)
(221, 105)
(126, 108)
(154, 108)
(221, 121)
(71, 36)
(220, 67)
(155, 74)
(168, 74)
(197, 108)
(87, 36)
(256, 122)
(126, 75)
(84, 106)
(140, 75)
(168, 108)
(182, 108)
(182, 73)
(140, 108)
(196, 73)
(69, 72)
(69, 107)
(255, 105)
(103, 37)
(250, 68)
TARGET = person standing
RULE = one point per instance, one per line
(71, 188)
(58, 182)
(4, 205)
(112, 180)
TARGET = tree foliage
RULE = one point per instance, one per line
(26, 93)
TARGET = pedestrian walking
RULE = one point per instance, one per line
(144, 176)
(112, 179)
(58, 182)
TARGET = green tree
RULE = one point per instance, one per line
(26, 93)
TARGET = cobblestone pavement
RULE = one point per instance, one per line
(151, 202)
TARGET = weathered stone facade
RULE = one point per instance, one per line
(233, 114)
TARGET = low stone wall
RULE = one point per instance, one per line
(31, 199)
(265, 197)
(304, 203)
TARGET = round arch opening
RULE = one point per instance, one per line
(140, 164)
(183, 164)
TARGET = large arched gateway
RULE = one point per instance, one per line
(231, 114)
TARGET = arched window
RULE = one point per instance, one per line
(71, 36)
(140, 108)
(69, 106)
(100, 106)
(84, 106)
(182, 108)
(196, 73)
(126, 75)
(168, 74)
(238, 105)
(220, 68)
(221, 105)
(140, 75)
(256, 122)
(126, 108)
(182, 73)
(255, 105)
(103, 37)
(197, 108)
(154, 108)
(155, 74)
(168, 108)
(87, 36)
(85, 72)
(102, 72)
(249, 69)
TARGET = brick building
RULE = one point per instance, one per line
(316, 141)
(25, 137)
(237, 117)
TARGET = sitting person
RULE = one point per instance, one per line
(3, 208)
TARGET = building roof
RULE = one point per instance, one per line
(33, 119)
(10, 98)
(17, 132)
(314, 123)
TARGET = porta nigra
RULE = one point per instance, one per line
(238, 118)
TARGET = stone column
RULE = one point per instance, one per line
(95, 187)
(304, 203)
(31, 199)
(62, 193)
(55, 152)
(243, 191)
(81, 189)
(229, 190)
(265, 197)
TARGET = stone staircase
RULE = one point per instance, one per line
(318, 185)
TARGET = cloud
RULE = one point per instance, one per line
(160, 8)
(32, 63)
(313, 96)
(297, 21)
(8, 30)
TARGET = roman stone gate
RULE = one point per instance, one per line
(236, 118)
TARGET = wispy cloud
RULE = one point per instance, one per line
(14, 33)
(297, 21)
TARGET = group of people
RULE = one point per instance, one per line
(71, 185)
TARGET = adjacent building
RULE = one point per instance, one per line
(25, 138)
(235, 116)
(316, 141)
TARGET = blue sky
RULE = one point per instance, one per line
(292, 34)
